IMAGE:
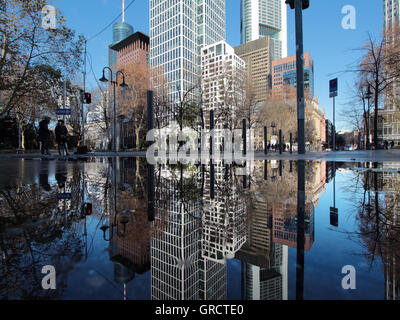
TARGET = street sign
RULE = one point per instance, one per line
(64, 196)
(63, 112)
(333, 88)
(334, 216)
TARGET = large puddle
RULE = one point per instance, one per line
(120, 229)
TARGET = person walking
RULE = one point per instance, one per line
(392, 145)
(61, 132)
(44, 135)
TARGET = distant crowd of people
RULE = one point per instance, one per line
(386, 145)
(275, 147)
(61, 133)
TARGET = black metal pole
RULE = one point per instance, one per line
(301, 196)
(265, 140)
(334, 127)
(212, 181)
(291, 143)
(265, 170)
(115, 119)
(211, 128)
(244, 136)
(300, 77)
(150, 168)
(150, 110)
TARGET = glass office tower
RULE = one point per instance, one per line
(260, 18)
(178, 31)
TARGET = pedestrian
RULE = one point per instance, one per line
(386, 144)
(44, 135)
(61, 132)
(392, 145)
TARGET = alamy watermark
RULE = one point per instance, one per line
(349, 20)
(349, 280)
(49, 19)
(49, 280)
(172, 145)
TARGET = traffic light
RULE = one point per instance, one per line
(88, 209)
(305, 4)
(87, 98)
(290, 3)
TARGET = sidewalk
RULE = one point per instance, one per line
(348, 156)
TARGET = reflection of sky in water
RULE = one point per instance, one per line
(331, 249)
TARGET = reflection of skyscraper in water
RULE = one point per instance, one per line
(130, 235)
(264, 263)
(390, 184)
(179, 270)
(285, 224)
(223, 219)
(175, 242)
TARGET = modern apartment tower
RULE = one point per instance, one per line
(260, 18)
(178, 31)
(223, 79)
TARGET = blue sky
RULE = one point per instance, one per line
(332, 48)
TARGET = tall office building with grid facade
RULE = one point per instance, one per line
(389, 117)
(260, 18)
(178, 31)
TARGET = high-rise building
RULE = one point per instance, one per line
(389, 117)
(178, 31)
(133, 49)
(222, 84)
(284, 73)
(260, 18)
(257, 56)
(391, 11)
(121, 31)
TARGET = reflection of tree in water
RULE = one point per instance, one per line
(377, 216)
(35, 233)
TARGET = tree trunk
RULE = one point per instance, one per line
(137, 140)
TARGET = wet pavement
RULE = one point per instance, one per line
(117, 228)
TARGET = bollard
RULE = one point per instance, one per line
(265, 140)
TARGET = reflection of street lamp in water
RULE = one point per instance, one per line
(124, 220)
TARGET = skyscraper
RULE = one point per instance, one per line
(178, 31)
(260, 18)
(258, 56)
(121, 31)
(389, 125)
(284, 73)
(390, 12)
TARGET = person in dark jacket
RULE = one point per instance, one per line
(61, 132)
(44, 135)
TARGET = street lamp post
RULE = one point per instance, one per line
(114, 83)
(368, 96)
(299, 6)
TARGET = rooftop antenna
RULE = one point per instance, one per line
(123, 10)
